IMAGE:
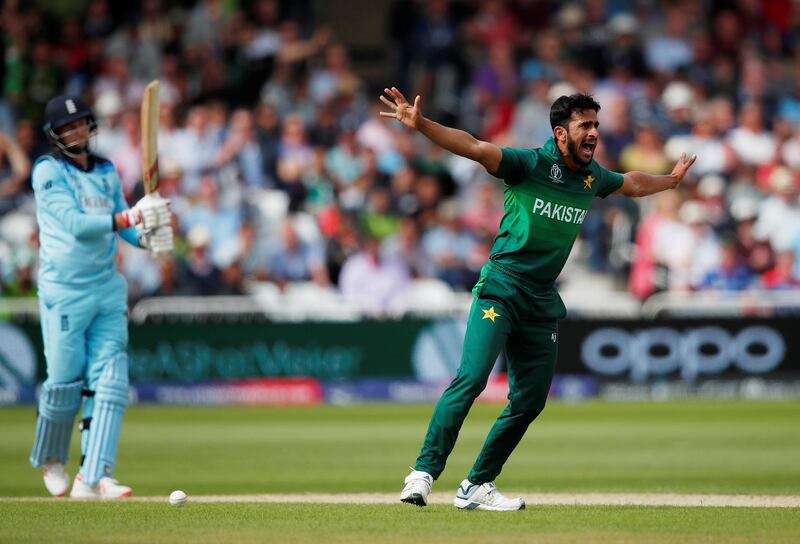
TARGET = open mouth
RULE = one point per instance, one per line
(588, 147)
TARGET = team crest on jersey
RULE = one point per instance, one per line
(555, 174)
(587, 183)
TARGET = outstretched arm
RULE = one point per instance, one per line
(643, 184)
(454, 140)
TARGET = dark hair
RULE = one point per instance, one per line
(562, 109)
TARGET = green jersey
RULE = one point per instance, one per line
(545, 205)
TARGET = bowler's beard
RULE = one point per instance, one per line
(572, 149)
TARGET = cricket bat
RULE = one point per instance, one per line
(150, 110)
(149, 147)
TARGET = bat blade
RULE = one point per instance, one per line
(149, 115)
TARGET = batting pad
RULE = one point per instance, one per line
(58, 405)
(110, 399)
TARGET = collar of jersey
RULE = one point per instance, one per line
(89, 167)
(552, 151)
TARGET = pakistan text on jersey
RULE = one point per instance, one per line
(560, 212)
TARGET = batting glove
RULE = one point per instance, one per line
(159, 240)
(154, 210)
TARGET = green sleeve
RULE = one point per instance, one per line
(608, 183)
(516, 164)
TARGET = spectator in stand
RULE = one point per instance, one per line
(778, 215)
(678, 98)
(645, 153)
(751, 141)
(223, 220)
(436, 56)
(27, 138)
(195, 147)
(110, 136)
(15, 170)
(342, 241)
(530, 125)
(484, 210)
(649, 273)
(335, 78)
(241, 149)
(448, 246)
(294, 156)
(169, 274)
(200, 276)
(127, 155)
(117, 78)
(405, 246)
(783, 274)
(617, 126)
(669, 51)
(344, 162)
(493, 23)
(732, 274)
(713, 155)
(379, 220)
(704, 247)
(294, 259)
(789, 104)
(268, 134)
(233, 279)
(545, 64)
(376, 285)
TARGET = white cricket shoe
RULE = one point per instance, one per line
(485, 497)
(418, 486)
(106, 488)
(56, 479)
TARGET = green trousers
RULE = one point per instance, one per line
(521, 319)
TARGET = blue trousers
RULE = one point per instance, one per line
(85, 332)
(83, 329)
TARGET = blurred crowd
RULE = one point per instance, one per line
(280, 169)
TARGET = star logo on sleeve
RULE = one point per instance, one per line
(587, 183)
(490, 314)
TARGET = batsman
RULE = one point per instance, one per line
(516, 306)
(80, 209)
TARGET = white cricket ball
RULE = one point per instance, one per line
(177, 498)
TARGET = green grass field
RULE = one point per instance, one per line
(682, 447)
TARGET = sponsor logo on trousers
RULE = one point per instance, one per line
(660, 351)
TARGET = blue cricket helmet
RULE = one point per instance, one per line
(61, 111)
(64, 109)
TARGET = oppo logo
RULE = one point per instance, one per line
(663, 350)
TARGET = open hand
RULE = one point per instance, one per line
(682, 166)
(404, 112)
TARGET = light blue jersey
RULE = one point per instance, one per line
(74, 209)
(83, 311)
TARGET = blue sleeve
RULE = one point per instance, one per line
(54, 196)
(120, 205)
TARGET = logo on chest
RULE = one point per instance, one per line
(96, 202)
(555, 174)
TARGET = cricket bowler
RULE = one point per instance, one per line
(80, 209)
(516, 306)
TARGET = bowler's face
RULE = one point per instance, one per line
(582, 136)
